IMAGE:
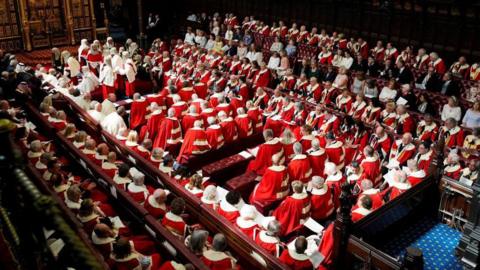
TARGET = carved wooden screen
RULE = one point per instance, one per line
(10, 35)
(83, 24)
(47, 23)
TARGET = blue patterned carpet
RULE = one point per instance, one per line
(436, 240)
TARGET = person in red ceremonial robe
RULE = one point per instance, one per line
(130, 71)
(214, 134)
(403, 150)
(173, 265)
(217, 258)
(94, 58)
(371, 165)
(209, 197)
(381, 142)
(244, 124)
(186, 92)
(122, 178)
(190, 118)
(321, 199)
(228, 207)
(154, 121)
(404, 121)
(452, 134)
(452, 169)
(314, 90)
(194, 143)
(460, 68)
(276, 120)
(335, 150)
(366, 188)
(317, 157)
(334, 180)
(325, 56)
(379, 52)
(107, 77)
(255, 115)
(246, 221)
(170, 133)
(437, 63)
(263, 159)
(179, 106)
(173, 220)
(414, 174)
(200, 89)
(306, 136)
(155, 203)
(262, 99)
(344, 101)
(101, 154)
(262, 79)
(109, 166)
(424, 156)
(399, 184)
(138, 111)
(273, 186)
(330, 123)
(144, 149)
(229, 127)
(137, 189)
(268, 239)
(362, 209)
(36, 150)
(427, 129)
(299, 167)
(125, 257)
(295, 257)
(89, 149)
(371, 114)
(288, 140)
(294, 210)
(358, 107)
(223, 106)
(422, 59)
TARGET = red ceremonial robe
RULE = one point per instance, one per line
(244, 126)
(263, 160)
(299, 168)
(155, 209)
(270, 243)
(322, 203)
(228, 211)
(371, 168)
(215, 136)
(216, 260)
(334, 182)
(292, 212)
(194, 143)
(169, 133)
(407, 152)
(174, 224)
(138, 110)
(336, 153)
(189, 120)
(359, 213)
(248, 227)
(273, 186)
(295, 261)
(424, 161)
(229, 130)
(317, 161)
(153, 125)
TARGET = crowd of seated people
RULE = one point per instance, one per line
(321, 128)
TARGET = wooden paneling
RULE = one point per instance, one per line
(10, 35)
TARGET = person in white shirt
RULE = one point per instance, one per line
(388, 92)
(242, 50)
(451, 110)
(89, 81)
(189, 37)
(96, 111)
(253, 55)
(108, 104)
(210, 43)
(338, 59)
(274, 61)
(472, 116)
(200, 39)
(229, 33)
(347, 60)
(277, 45)
(113, 122)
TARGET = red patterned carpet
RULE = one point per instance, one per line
(41, 56)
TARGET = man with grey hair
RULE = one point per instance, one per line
(214, 133)
(217, 257)
(299, 167)
(137, 189)
(169, 133)
(317, 157)
(263, 157)
(113, 122)
(321, 198)
(268, 238)
(244, 124)
(194, 143)
(189, 119)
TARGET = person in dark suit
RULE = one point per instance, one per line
(429, 81)
(359, 64)
(407, 94)
(404, 75)
(449, 86)
(330, 75)
(389, 70)
(372, 69)
(424, 105)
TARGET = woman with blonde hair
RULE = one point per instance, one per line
(132, 139)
